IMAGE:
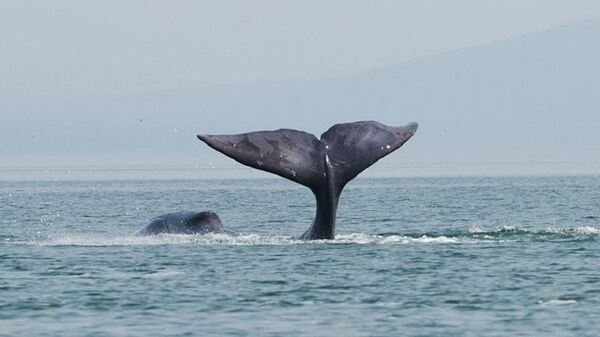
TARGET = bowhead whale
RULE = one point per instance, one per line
(324, 165)
(186, 222)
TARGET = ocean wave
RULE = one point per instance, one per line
(360, 238)
(164, 274)
(161, 239)
(230, 239)
(472, 235)
(515, 232)
(557, 302)
(578, 230)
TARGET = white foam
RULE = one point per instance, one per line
(587, 230)
(476, 228)
(508, 228)
(227, 239)
(421, 239)
(162, 239)
(576, 230)
(363, 239)
(556, 302)
(261, 239)
(164, 274)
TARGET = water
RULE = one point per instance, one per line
(496, 256)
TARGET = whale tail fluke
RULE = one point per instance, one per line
(347, 148)
(325, 165)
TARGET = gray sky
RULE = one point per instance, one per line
(67, 48)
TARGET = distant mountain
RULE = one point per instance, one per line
(531, 98)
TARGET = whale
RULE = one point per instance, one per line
(184, 222)
(323, 165)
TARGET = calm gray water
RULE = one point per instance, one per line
(498, 256)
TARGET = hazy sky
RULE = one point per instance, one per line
(67, 48)
(112, 81)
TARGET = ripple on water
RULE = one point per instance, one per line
(405, 261)
(557, 302)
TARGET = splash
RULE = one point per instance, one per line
(517, 233)
(229, 239)
(473, 235)
(581, 231)
(360, 238)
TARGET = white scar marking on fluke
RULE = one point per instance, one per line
(259, 162)
(327, 161)
(387, 146)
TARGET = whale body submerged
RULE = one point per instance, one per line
(186, 222)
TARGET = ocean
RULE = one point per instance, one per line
(429, 256)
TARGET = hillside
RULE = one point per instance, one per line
(530, 98)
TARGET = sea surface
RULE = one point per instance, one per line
(435, 256)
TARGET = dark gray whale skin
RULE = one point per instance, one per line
(324, 165)
(185, 222)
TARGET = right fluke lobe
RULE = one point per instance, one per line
(353, 147)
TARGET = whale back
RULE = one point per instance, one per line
(156, 225)
(184, 222)
(205, 222)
